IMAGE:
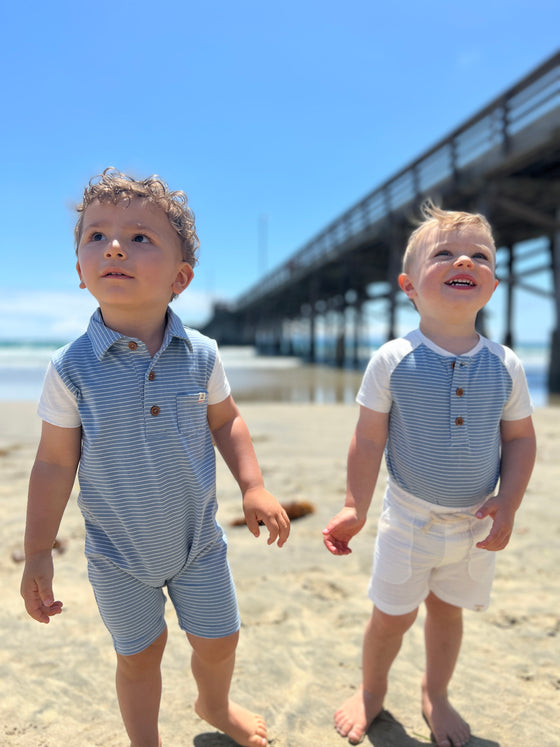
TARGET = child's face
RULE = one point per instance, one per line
(129, 256)
(452, 272)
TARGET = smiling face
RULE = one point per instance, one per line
(451, 275)
(129, 257)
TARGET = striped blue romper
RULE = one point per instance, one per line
(147, 478)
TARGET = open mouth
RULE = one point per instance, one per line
(115, 275)
(461, 283)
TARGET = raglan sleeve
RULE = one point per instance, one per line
(218, 384)
(57, 405)
(375, 390)
(519, 404)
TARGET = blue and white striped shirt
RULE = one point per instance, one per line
(444, 414)
(147, 468)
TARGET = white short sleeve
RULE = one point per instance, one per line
(218, 385)
(57, 405)
(519, 405)
(375, 391)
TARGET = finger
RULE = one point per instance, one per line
(284, 526)
(278, 528)
(32, 600)
(252, 524)
(491, 542)
(273, 532)
(36, 611)
(499, 542)
(45, 592)
(330, 526)
(40, 612)
(54, 609)
(484, 511)
(336, 547)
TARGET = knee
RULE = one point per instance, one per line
(436, 607)
(391, 625)
(214, 650)
(145, 661)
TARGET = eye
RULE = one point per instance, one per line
(442, 253)
(140, 238)
(481, 255)
(97, 236)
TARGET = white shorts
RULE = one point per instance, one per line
(422, 547)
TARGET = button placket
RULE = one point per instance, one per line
(458, 402)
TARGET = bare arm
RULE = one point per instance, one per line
(233, 440)
(50, 485)
(518, 458)
(364, 459)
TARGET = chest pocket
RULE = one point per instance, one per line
(191, 413)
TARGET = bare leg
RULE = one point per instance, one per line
(443, 632)
(139, 692)
(212, 662)
(382, 641)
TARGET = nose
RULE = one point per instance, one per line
(114, 250)
(463, 261)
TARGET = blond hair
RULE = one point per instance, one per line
(442, 220)
(113, 186)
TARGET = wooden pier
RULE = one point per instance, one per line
(503, 162)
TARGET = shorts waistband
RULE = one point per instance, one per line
(427, 514)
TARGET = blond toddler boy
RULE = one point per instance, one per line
(452, 414)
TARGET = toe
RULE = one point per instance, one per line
(355, 737)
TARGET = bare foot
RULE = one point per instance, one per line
(356, 715)
(246, 728)
(447, 727)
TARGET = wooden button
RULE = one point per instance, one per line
(132, 345)
(459, 421)
(154, 410)
(151, 376)
(459, 392)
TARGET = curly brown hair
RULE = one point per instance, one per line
(114, 186)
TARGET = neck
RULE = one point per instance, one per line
(456, 339)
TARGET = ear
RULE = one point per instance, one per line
(185, 274)
(79, 271)
(406, 285)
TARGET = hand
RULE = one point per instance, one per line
(502, 524)
(36, 588)
(340, 530)
(261, 507)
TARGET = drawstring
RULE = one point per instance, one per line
(444, 519)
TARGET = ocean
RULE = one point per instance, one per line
(252, 377)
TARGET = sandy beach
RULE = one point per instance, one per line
(303, 612)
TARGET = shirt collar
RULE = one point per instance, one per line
(443, 352)
(102, 338)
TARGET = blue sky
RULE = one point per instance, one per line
(280, 112)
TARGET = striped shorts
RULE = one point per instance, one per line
(202, 594)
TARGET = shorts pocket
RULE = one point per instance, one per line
(481, 562)
(192, 413)
(393, 547)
